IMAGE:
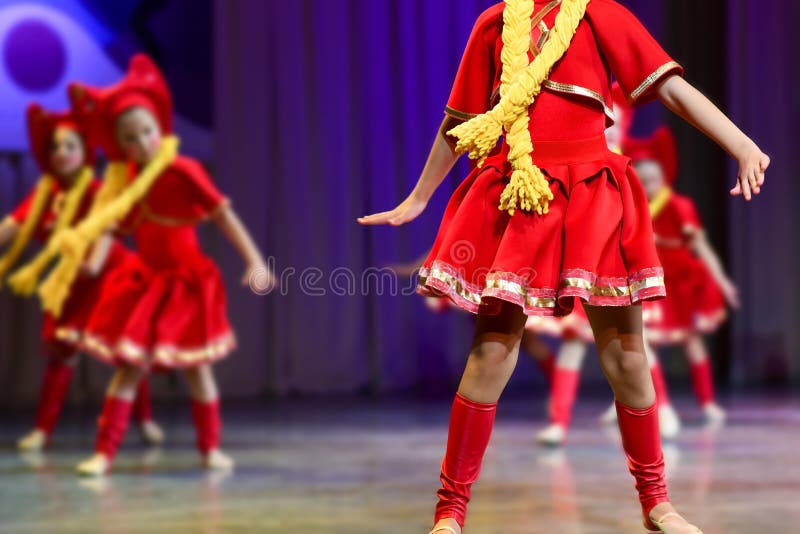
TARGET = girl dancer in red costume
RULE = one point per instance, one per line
(576, 333)
(554, 216)
(61, 198)
(168, 310)
(697, 285)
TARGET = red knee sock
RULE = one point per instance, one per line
(660, 385)
(562, 395)
(142, 409)
(55, 385)
(470, 429)
(703, 382)
(642, 443)
(207, 425)
(112, 425)
(547, 366)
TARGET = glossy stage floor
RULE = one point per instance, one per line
(367, 466)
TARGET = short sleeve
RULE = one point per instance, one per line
(636, 59)
(201, 191)
(688, 216)
(472, 89)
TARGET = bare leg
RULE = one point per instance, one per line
(492, 358)
(620, 344)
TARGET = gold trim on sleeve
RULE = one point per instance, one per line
(569, 89)
(653, 78)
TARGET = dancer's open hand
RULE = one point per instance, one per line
(260, 278)
(407, 211)
(753, 166)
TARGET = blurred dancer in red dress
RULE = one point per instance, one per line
(168, 310)
(60, 199)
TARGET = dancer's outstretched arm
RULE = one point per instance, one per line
(689, 103)
(440, 162)
(236, 232)
(707, 255)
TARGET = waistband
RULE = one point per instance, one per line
(571, 151)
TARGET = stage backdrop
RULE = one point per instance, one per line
(763, 52)
(324, 110)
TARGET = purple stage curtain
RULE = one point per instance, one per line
(325, 111)
(763, 52)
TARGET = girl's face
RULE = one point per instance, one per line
(652, 177)
(138, 134)
(66, 152)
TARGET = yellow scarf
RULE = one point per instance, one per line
(521, 83)
(72, 202)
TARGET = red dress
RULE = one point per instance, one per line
(596, 243)
(694, 303)
(168, 309)
(61, 334)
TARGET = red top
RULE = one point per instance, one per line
(55, 204)
(164, 221)
(673, 226)
(576, 100)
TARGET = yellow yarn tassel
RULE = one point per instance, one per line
(528, 188)
(73, 243)
(23, 282)
(40, 200)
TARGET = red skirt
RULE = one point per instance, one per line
(595, 244)
(161, 318)
(694, 305)
(62, 335)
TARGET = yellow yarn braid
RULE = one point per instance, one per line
(73, 243)
(23, 282)
(40, 199)
(528, 188)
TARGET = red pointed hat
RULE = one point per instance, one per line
(623, 111)
(42, 125)
(143, 86)
(659, 147)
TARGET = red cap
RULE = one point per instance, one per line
(143, 86)
(659, 147)
(622, 110)
(42, 125)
